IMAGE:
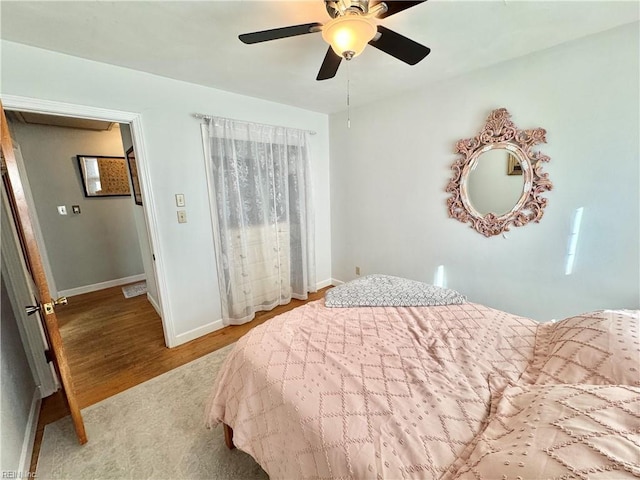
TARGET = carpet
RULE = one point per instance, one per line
(134, 290)
(154, 430)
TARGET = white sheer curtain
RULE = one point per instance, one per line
(261, 202)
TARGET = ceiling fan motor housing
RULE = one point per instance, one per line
(338, 8)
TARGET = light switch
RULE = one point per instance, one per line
(182, 216)
(180, 200)
(75, 209)
(62, 210)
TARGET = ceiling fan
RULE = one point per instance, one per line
(351, 28)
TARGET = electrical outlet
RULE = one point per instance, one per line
(182, 216)
(357, 270)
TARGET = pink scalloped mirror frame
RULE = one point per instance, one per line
(500, 132)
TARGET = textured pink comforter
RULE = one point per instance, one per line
(368, 392)
(574, 414)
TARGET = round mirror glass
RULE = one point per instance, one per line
(495, 182)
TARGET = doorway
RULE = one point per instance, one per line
(133, 122)
(88, 244)
(89, 239)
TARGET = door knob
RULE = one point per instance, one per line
(48, 307)
(60, 301)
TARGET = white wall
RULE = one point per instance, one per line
(16, 391)
(142, 229)
(101, 243)
(390, 170)
(176, 163)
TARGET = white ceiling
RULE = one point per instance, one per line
(198, 41)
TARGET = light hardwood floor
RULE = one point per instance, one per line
(114, 343)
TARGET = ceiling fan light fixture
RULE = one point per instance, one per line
(348, 35)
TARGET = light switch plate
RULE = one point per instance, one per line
(62, 210)
(182, 216)
(180, 200)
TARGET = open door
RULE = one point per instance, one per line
(45, 305)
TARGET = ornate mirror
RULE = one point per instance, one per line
(498, 181)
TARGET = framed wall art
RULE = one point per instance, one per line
(103, 176)
(513, 165)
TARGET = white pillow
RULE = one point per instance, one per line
(388, 291)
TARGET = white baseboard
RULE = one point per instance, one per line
(218, 324)
(324, 283)
(197, 332)
(154, 304)
(100, 286)
(30, 431)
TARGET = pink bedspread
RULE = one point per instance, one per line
(368, 392)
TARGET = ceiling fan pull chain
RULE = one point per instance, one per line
(348, 94)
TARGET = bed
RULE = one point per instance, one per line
(387, 386)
